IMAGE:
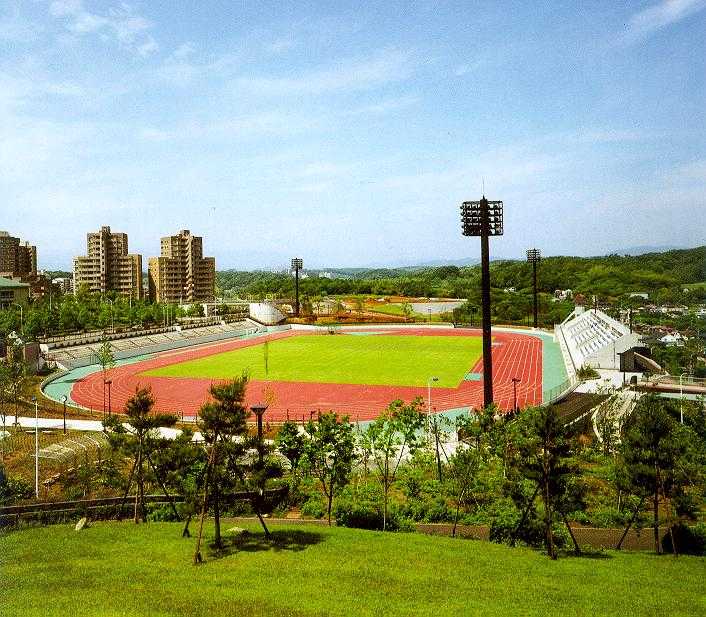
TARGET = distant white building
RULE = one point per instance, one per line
(563, 294)
(640, 294)
(65, 284)
(674, 339)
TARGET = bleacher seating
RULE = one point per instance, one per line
(87, 353)
(593, 338)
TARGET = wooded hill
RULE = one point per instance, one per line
(663, 275)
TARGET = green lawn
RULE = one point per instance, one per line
(375, 359)
(127, 570)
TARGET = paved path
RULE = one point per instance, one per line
(94, 426)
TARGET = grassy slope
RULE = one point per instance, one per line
(120, 569)
(375, 360)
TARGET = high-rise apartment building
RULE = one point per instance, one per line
(17, 258)
(108, 266)
(181, 273)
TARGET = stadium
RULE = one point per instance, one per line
(301, 370)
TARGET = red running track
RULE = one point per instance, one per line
(514, 355)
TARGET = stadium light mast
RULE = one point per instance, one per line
(297, 265)
(534, 256)
(484, 219)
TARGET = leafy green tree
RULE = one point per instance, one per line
(659, 460)
(291, 443)
(474, 428)
(106, 359)
(545, 460)
(329, 450)
(463, 468)
(222, 423)
(139, 440)
(5, 387)
(17, 379)
(182, 468)
(395, 432)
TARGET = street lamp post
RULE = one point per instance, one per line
(297, 265)
(534, 256)
(63, 400)
(259, 409)
(484, 219)
(36, 447)
(515, 381)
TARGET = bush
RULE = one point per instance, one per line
(362, 507)
(161, 513)
(689, 540)
(361, 516)
(314, 507)
(428, 510)
(587, 372)
(13, 489)
(504, 517)
(610, 517)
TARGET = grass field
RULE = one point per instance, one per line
(376, 359)
(127, 570)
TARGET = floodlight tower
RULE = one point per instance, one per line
(534, 256)
(297, 265)
(484, 219)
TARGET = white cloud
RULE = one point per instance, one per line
(282, 44)
(660, 15)
(324, 168)
(130, 30)
(243, 126)
(464, 69)
(148, 47)
(61, 8)
(385, 67)
(693, 172)
(65, 88)
(385, 106)
(17, 30)
(599, 136)
(184, 50)
(152, 134)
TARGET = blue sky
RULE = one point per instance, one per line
(349, 133)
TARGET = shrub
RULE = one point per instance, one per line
(361, 506)
(161, 513)
(314, 507)
(587, 372)
(689, 540)
(13, 489)
(504, 516)
(610, 517)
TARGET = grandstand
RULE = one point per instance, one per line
(68, 358)
(592, 338)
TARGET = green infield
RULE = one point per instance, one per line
(378, 359)
(306, 571)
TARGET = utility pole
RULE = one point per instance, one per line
(484, 218)
(533, 257)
